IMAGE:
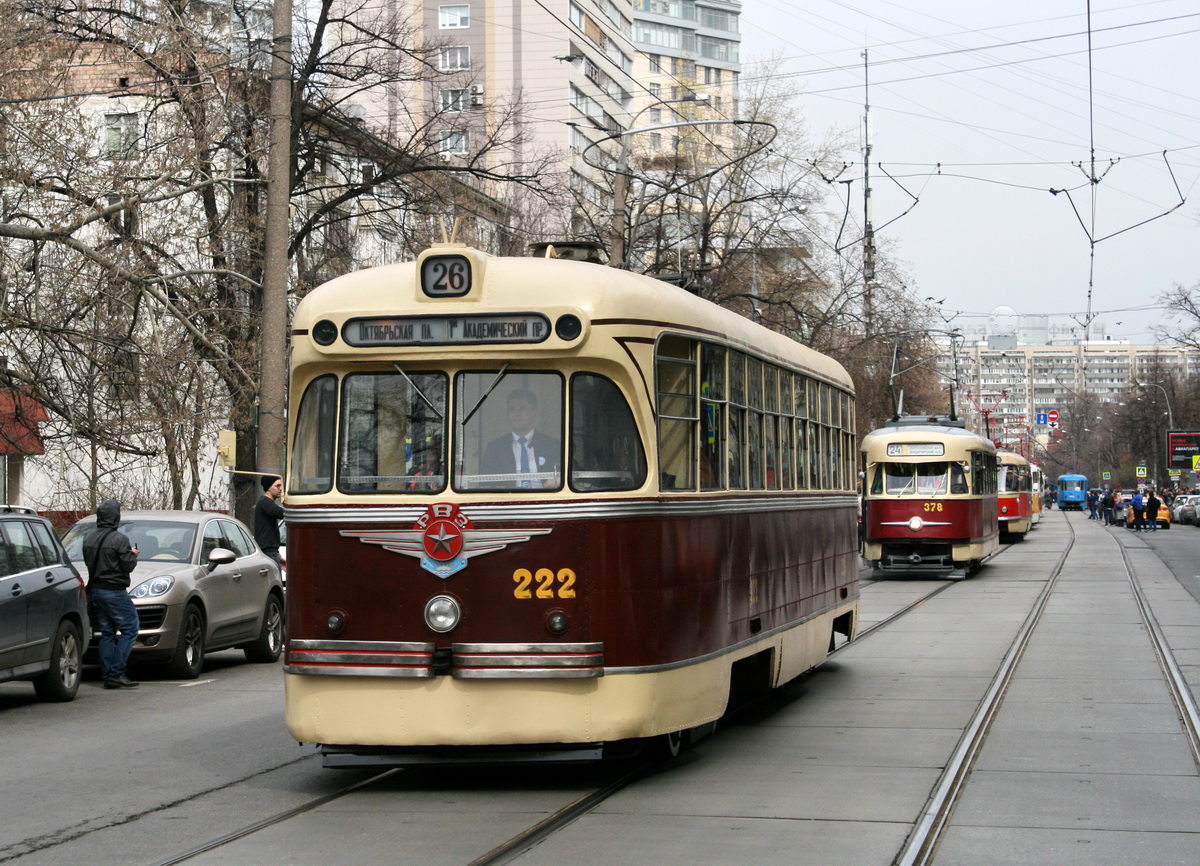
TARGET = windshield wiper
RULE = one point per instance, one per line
(485, 395)
(420, 394)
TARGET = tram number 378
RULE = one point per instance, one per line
(545, 580)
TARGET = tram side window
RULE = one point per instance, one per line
(755, 457)
(802, 456)
(737, 421)
(393, 433)
(509, 431)
(712, 417)
(787, 431)
(675, 373)
(311, 469)
(606, 450)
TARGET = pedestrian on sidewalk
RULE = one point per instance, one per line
(1138, 504)
(110, 559)
(1106, 506)
(1152, 510)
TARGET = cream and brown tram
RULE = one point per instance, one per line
(541, 509)
(929, 496)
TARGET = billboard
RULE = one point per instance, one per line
(1183, 449)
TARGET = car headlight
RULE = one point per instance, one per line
(152, 587)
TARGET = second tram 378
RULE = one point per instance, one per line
(538, 508)
(929, 496)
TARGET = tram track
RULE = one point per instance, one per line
(934, 818)
(1181, 693)
(922, 842)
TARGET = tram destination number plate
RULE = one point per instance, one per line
(916, 449)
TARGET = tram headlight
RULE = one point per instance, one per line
(557, 623)
(324, 332)
(568, 327)
(915, 523)
(335, 621)
(442, 613)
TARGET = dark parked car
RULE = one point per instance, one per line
(200, 585)
(43, 607)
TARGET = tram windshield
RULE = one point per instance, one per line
(924, 479)
(397, 432)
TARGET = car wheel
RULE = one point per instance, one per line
(188, 660)
(61, 681)
(270, 640)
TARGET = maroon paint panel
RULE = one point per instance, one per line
(1019, 506)
(653, 589)
(968, 519)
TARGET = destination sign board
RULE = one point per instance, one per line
(445, 330)
(916, 449)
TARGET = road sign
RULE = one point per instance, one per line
(1106, 476)
(1052, 416)
(1141, 472)
(1042, 419)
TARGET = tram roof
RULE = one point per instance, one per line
(957, 439)
(596, 292)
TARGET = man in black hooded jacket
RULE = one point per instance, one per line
(110, 560)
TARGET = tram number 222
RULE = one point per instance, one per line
(933, 506)
(545, 580)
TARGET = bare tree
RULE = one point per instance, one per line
(132, 193)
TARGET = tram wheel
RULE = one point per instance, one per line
(666, 746)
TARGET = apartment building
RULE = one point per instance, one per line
(1008, 383)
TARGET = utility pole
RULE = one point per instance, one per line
(868, 227)
(272, 423)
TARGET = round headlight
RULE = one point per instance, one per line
(1004, 509)
(152, 587)
(324, 332)
(442, 613)
(915, 523)
(568, 327)
(335, 621)
(556, 622)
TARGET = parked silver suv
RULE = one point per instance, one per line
(43, 607)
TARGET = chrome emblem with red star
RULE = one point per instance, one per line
(443, 539)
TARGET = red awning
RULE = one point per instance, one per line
(19, 419)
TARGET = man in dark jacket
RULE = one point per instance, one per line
(110, 560)
(267, 514)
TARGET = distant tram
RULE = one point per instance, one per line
(1037, 489)
(929, 496)
(547, 510)
(1072, 491)
(1015, 496)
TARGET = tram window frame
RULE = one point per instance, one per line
(315, 438)
(678, 412)
(608, 456)
(755, 425)
(713, 412)
(387, 433)
(802, 401)
(736, 421)
(489, 404)
(802, 457)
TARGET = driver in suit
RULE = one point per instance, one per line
(524, 449)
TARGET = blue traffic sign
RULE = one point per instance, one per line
(1042, 419)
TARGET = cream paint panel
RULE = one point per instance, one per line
(371, 711)
(802, 649)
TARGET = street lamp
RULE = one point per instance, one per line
(1170, 415)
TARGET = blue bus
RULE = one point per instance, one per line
(1072, 491)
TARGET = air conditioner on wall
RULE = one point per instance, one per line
(476, 90)
(476, 101)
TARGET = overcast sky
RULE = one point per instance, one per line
(979, 109)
